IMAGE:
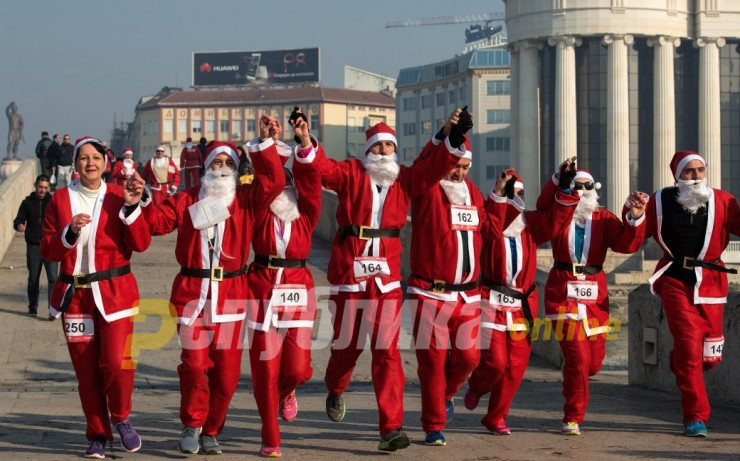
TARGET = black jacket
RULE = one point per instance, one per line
(62, 156)
(42, 147)
(31, 213)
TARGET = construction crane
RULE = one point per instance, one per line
(473, 33)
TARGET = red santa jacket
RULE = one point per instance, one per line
(360, 204)
(113, 237)
(191, 158)
(603, 230)
(121, 173)
(723, 219)
(498, 262)
(226, 299)
(173, 176)
(268, 287)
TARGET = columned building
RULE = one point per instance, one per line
(622, 85)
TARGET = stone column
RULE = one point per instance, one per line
(529, 116)
(664, 110)
(617, 121)
(566, 140)
(710, 140)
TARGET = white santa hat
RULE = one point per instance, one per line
(88, 140)
(379, 132)
(681, 159)
(219, 147)
(583, 174)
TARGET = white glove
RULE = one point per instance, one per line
(173, 190)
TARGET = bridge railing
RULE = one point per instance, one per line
(12, 192)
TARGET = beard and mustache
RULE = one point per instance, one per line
(693, 194)
(285, 205)
(457, 192)
(588, 204)
(383, 169)
(221, 183)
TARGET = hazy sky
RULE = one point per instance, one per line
(71, 65)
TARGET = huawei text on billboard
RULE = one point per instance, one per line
(274, 67)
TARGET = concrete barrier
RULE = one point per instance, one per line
(650, 343)
(12, 192)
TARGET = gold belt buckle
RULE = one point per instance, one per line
(269, 262)
(686, 259)
(438, 286)
(362, 235)
(217, 274)
(574, 269)
(78, 283)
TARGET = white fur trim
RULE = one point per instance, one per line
(497, 198)
(145, 199)
(682, 164)
(382, 136)
(54, 313)
(583, 175)
(64, 239)
(221, 150)
(283, 149)
(256, 146)
(634, 222)
(519, 185)
(311, 155)
(459, 152)
(128, 220)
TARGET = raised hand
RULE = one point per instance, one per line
(133, 189)
(275, 129)
(79, 221)
(459, 118)
(265, 124)
(501, 181)
(300, 128)
(637, 201)
(566, 173)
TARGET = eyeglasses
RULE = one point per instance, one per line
(583, 185)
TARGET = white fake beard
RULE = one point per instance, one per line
(285, 205)
(588, 204)
(128, 163)
(383, 169)
(456, 192)
(161, 162)
(692, 194)
(189, 145)
(221, 183)
(516, 227)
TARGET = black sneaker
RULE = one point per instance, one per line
(32, 311)
(335, 408)
(394, 440)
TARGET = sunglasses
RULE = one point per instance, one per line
(583, 185)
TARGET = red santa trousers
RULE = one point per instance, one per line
(105, 381)
(209, 373)
(280, 361)
(355, 316)
(503, 361)
(690, 324)
(159, 196)
(583, 356)
(447, 342)
(191, 177)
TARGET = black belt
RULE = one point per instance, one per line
(690, 263)
(578, 269)
(215, 273)
(366, 232)
(82, 280)
(274, 262)
(523, 297)
(440, 286)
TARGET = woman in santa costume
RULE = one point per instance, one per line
(365, 268)
(282, 288)
(124, 169)
(576, 294)
(162, 175)
(692, 223)
(214, 226)
(92, 228)
(509, 305)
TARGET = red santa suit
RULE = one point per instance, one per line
(693, 296)
(96, 294)
(282, 288)
(191, 161)
(443, 291)
(210, 292)
(508, 271)
(360, 299)
(578, 301)
(162, 182)
(124, 169)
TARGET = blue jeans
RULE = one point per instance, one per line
(34, 261)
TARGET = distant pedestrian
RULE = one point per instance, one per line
(191, 161)
(42, 150)
(61, 163)
(29, 221)
(124, 168)
(111, 157)
(51, 154)
(162, 175)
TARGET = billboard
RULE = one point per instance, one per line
(274, 67)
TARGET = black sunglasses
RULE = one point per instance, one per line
(583, 185)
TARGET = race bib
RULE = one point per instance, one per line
(500, 300)
(367, 267)
(464, 218)
(79, 327)
(584, 291)
(713, 348)
(289, 298)
(171, 169)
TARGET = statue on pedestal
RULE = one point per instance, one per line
(15, 131)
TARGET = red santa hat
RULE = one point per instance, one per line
(583, 174)
(518, 181)
(468, 150)
(128, 150)
(379, 132)
(189, 139)
(88, 140)
(681, 158)
(219, 147)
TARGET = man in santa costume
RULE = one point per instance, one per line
(191, 161)
(125, 168)
(692, 223)
(92, 228)
(214, 224)
(576, 294)
(443, 286)
(282, 288)
(509, 304)
(162, 175)
(365, 267)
